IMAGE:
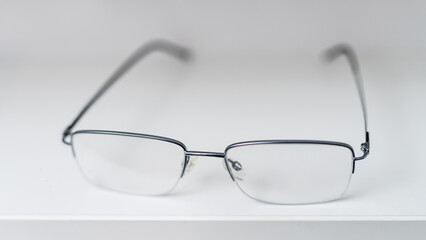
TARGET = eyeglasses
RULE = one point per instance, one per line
(272, 171)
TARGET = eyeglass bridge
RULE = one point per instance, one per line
(235, 164)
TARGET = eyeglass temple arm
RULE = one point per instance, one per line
(153, 46)
(347, 51)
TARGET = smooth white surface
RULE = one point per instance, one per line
(40, 179)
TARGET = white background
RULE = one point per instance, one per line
(256, 74)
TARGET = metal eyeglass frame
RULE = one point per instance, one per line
(184, 54)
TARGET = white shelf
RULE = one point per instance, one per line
(39, 178)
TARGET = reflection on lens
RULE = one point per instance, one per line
(292, 173)
(129, 164)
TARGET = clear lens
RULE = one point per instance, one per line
(129, 164)
(291, 173)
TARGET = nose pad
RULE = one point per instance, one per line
(236, 168)
(191, 163)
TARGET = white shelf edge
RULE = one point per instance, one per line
(211, 218)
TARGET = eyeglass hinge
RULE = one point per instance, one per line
(66, 134)
(365, 147)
